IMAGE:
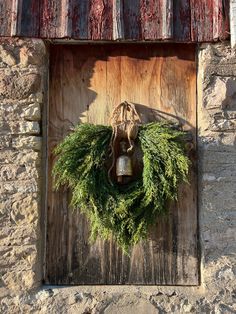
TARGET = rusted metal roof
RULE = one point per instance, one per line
(175, 20)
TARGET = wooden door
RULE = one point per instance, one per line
(86, 82)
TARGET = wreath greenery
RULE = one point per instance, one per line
(123, 212)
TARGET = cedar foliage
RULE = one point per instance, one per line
(123, 212)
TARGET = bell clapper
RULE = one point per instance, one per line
(119, 179)
(123, 163)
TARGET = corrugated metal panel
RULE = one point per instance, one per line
(176, 20)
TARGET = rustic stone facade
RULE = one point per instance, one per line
(23, 75)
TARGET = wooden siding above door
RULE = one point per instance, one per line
(175, 20)
(86, 82)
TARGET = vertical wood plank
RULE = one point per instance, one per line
(6, 17)
(50, 19)
(100, 19)
(117, 19)
(79, 15)
(156, 19)
(215, 22)
(201, 20)
(182, 20)
(132, 20)
(167, 22)
(15, 13)
(65, 23)
(233, 23)
(152, 19)
(26, 18)
(64, 115)
(224, 19)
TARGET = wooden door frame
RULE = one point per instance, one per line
(45, 159)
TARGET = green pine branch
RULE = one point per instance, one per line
(126, 214)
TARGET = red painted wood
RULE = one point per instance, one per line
(180, 21)
(6, 17)
(201, 20)
(50, 19)
(223, 18)
(100, 20)
(27, 21)
(151, 19)
(209, 20)
(78, 16)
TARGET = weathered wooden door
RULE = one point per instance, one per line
(86, 82)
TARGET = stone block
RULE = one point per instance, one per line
(26, 127)
(18, 172)
(19, 280)
(27, 142)
(36, 97)
(25, 208)
(17, 85)
(32, 54)
(23, 156)
(25, 255)
(5, 141)
(220, 104)
(19, 127)
(19, 209)
(20, 186)
(222, 70)
(19, 235)
(12, 111)
(7, 57)
(33, 112)
(13, 172)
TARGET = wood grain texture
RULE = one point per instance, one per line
(100, 19)
(201, 20)
(27, 14)
(182, 20)
(117, 20)
(86, 82)
(51, 17)
(233, 22)
(6, 16)
(179, 21)
(152, 19)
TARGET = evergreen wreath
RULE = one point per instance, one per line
(125, 212)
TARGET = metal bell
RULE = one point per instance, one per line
(123, 163)
(123, 166)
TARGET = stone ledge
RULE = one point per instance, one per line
(118, 299)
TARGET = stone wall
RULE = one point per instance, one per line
(23, 70)
(23, 73)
